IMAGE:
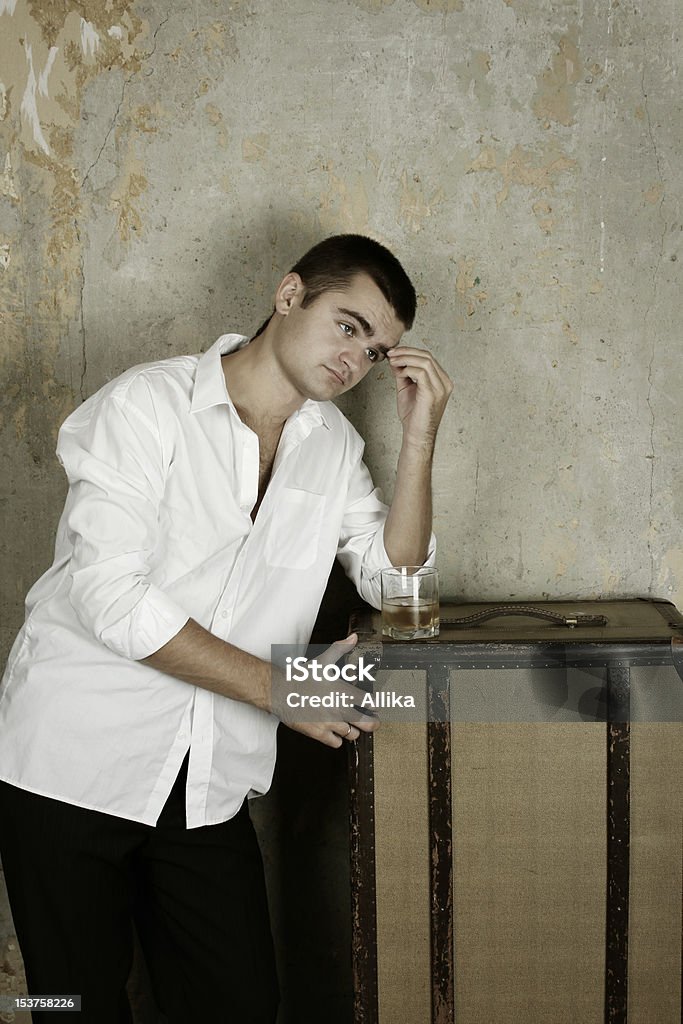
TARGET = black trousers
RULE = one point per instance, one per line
(77, 879)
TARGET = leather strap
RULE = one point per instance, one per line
(570, 621)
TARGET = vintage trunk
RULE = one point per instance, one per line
(517, 839)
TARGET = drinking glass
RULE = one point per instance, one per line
(410, 602)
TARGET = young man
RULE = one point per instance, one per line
(208, 497)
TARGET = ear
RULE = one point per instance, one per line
(289, 293)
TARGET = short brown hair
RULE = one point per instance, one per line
(335, 261)
(332, 263)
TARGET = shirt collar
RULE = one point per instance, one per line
(210, 388)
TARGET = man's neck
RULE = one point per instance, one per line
(262, 397)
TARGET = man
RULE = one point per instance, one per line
(208, 497)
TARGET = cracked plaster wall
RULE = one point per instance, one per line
(161, 164)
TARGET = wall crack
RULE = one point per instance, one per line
(156, 32)
(84, 350)
(120, 103)
(110, 130)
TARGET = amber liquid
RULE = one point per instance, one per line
(406, 619)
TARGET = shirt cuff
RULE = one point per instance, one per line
(378, 559)
(153, 621)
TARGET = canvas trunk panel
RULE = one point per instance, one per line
(517, 838)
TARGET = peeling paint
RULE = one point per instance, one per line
(3, 102)
(343, 206)
(555, 98)
(543, 211)
(540, 174)
(145, 118)
(90, 39)
(7, 6)
(116, 32)
(130, 185)
(467, 280)
(45, 73)
(654, 193)
(215, 38)
(4, 256)
(415, 207)
(44, 61)
(29, 109)
(558, 552)
(216, 121)
(7, 186)
(473, 78)
(570, 333)
(254, 147)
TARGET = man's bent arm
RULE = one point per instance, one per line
(422, 391)
(197, 656)
(409, 521)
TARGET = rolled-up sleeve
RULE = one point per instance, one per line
(361, 548)
(113, 456)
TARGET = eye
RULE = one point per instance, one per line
(347, 329)
(372, 354)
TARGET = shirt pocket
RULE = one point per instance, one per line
(295, 529)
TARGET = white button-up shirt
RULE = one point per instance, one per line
(163, 475)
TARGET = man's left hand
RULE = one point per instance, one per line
(422, 391)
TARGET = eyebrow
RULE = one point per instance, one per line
(368, 329)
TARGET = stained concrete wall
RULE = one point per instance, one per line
(162, 164)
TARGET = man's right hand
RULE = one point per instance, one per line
(330, 726)
(200, 658)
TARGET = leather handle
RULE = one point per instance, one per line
(570, 621)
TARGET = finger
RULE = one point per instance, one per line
(338, 649)
(352, 730)
(417, 357)
(424, 376)
(426, 380)
(435, 372)
(357, 720)
(330, 739)
(347, 731)
(366, 724)
(320, 733)
(408, 352)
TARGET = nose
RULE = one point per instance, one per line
(350, 358)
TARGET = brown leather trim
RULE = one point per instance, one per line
(618, 845)
(441, 845)
(363, 891)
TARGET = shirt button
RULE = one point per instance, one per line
(224, 615)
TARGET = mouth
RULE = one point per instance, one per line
(338, 377)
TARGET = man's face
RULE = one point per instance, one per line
(326, 348)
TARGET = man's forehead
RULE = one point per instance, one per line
(363, 300)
